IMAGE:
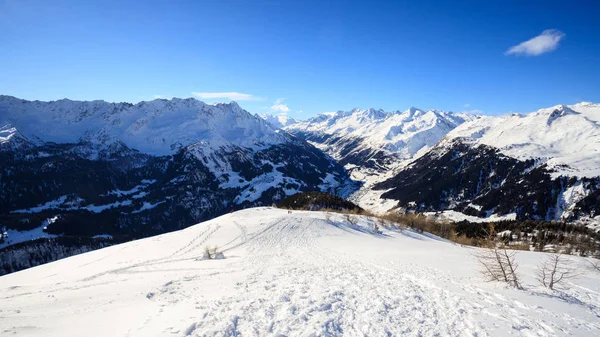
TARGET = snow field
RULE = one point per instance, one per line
(296, 274)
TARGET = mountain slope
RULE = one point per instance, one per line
(566, 139)
(542, 165)
(136, 170)
(373, 144)
(298, 274)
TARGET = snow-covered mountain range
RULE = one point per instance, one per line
(541, 165)
(393, 152)
(565, 139)
(279, 121)
(132, 170)
(140, 169)
(374, 138)
(158, 127)
(374, 144)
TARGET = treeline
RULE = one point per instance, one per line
(538, 235)
(315, 201)
(34, 253)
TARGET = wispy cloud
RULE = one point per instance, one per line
(467, 105)
(233, 96)
(279, 107)
(157, 96)
(543, 43)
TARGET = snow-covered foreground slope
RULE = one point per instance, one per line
(296, 274)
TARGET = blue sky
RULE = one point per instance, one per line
(304, 57)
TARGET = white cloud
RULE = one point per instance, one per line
(279, 107)
(233, 96)
(467, 105)
(157, 96)
(543, 43)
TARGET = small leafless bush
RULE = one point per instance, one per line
(212, 253)
(463, 240)
(382, 223)
(376, 228)
(352, 220)
(595, 265)
(554, 270)
(498, 264)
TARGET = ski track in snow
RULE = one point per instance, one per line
(285, 274)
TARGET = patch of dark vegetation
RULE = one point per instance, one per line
(315, 201)
(460, 176)
(36, 252)
(536, 235)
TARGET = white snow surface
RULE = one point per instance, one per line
(156, 127)
(458, 216)
(565, 138)
(296, 274)
(279, 121)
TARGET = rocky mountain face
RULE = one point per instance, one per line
(129, 171)
(542, 165)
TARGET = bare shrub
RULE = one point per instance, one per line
(382, 223)
(463, 240)
(520, 246)
(352, 220)
(376, 228)
(554, 271)
(498, 264)
(212, 253)
(442, 228)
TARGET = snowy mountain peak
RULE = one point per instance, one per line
(358, 136)
(279, 121)
(412, 111)
(565, 138)
(155, 127)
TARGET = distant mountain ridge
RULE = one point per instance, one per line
(370, 137)
(564, 138)
(541, 165)
(157, 127)
(279, 121)
(141, 169)
(373, 144)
